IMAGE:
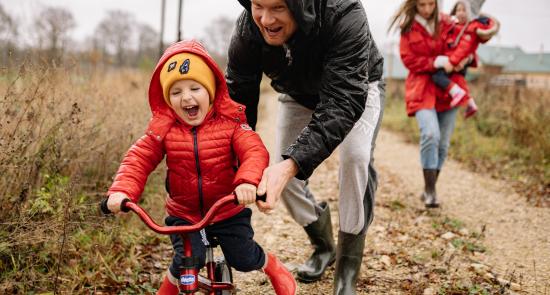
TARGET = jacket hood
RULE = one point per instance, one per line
(475, 7)
(223, 105)
(472, 8)
(304, 12)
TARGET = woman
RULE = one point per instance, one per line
(423, 30)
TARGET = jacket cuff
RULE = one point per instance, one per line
(240, 181)
(440, 61)
(129, 195)
(304, 170)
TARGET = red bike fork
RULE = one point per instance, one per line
(189, 283)
(210, 266)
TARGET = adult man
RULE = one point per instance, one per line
(320, 55)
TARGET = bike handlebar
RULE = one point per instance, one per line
(127, 205)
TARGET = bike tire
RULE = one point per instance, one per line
(223, 273)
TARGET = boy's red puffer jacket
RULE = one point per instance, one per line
(461, 42)
(202, 161)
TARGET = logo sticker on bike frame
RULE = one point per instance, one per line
(187, 279)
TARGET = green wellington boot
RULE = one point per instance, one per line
(349, 255)
(320, 236)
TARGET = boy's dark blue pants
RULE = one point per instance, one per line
(441, 79)
(235, 237)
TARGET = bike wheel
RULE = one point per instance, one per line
(222, 273)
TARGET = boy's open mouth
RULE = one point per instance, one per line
(191, 110)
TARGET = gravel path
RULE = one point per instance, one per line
(517, 235)
(485, 237)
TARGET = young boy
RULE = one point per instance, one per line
(462, 41)
(204, 135)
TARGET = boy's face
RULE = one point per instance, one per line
(461, 14)
(274, 19)
(190, 100)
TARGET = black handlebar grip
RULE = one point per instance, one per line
(103, 207)
(258, 198)
(123, 207)
(105, 210)
(261, 198)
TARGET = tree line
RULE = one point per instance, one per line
(118, 40)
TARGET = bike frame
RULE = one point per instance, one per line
(189, 281)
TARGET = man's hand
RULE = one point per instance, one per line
(273, 182)
(114, 201)
(246, 193)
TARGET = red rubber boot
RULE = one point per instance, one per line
(471, 109)
(167, 288)
(281, 279)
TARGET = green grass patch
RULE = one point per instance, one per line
(436, 254)
(453, 224)
(397, 205)
(466, 245)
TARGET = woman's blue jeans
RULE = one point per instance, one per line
(435, 136)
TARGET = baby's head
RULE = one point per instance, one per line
(461, 11)
(189, 87)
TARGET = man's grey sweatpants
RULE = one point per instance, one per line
(357, 177)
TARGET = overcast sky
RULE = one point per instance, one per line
(524, 23)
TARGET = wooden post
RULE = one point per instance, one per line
(161, 43)
(180, 14)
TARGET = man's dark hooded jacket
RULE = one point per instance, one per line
(325, 66)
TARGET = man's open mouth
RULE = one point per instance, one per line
(273, 31)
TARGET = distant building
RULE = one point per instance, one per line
(494, 59)
(394, 67)
(511, 66)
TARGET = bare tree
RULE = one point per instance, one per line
(8, 29)
(53, 26)
(217, 37)
(8, 33)
(147, 42)
(115, 33)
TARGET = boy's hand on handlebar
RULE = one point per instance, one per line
(114, 201)
(246, 193)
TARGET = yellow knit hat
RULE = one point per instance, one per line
(186, 66)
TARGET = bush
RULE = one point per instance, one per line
(63, 132)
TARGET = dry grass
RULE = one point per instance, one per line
(62, 134)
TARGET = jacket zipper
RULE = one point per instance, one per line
(197, 164)
(288, 54)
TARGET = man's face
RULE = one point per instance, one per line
(274, 20)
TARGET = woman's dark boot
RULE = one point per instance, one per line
(349, 254)
(429, 196)
(320, 236)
